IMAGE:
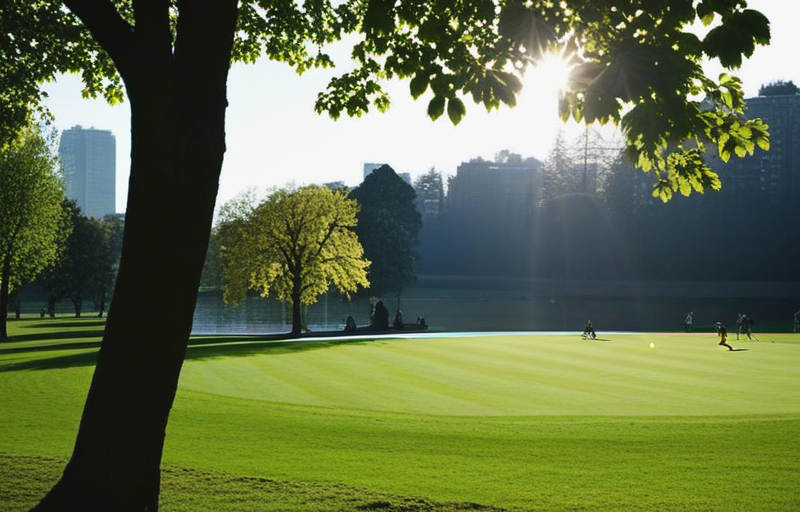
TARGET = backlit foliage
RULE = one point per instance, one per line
(294, 245)
(636, 63)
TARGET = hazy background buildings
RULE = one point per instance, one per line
(88, 157)
(585, 214)
(519, 242)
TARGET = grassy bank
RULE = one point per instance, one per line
(525, 422)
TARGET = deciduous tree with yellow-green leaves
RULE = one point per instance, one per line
(295, 246)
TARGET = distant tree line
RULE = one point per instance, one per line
(45, 240)
(88, 263)
(779, 88)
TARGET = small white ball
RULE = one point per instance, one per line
(652, 345)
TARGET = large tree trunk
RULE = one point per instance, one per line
(297, 314)
(178, 103)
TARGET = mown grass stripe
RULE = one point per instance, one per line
(526, 422)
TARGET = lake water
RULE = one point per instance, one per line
(453, 304)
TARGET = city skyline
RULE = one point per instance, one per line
(275, 138)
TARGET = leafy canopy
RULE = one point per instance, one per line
(85, 267)
(33, 224)
(388, 227)
(636, 62)
(294, 245)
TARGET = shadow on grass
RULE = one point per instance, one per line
(60, 324)
(198, 349)
(77, 345)
(50, 363)
(27, 478)
(211, 348)
(45, 336)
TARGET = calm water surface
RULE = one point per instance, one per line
(448, 305)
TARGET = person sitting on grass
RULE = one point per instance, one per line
(723, 336)
(589, 330)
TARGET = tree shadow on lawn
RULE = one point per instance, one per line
(51, 363)
(199, 349)
(75, 322)
(212, 348)
(46, 336)
(27, 478)
(48, 331)
(50, 348)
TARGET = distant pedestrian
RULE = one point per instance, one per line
(688, 321)
(350, 324)
(398, 320)
(748, 325)
(797, 321)
(380, 317)
(588, 331)
(740, 319)
(723, 336)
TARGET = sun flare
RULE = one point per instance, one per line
(543, 81)
(534, 122)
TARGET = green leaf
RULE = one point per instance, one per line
(705, 12)
(757, 25)
(419, 84)
(456, 110)
(745, 132)
(379, 18)
(662, 190)
(436, 107)
(684, 187)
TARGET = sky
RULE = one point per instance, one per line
(275, 138)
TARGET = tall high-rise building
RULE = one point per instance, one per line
(88, 157)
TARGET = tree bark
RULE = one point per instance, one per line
(77, 302)
(102, 306)
(5, 275)
(297, 314)
(178, 100)
(18, 304)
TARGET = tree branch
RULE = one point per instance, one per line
(325, 238)
(108, 28)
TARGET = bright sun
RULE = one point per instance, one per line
(533, 124)
(542, 83)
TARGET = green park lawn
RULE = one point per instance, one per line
(521, 422)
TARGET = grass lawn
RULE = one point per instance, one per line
(535, 422)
